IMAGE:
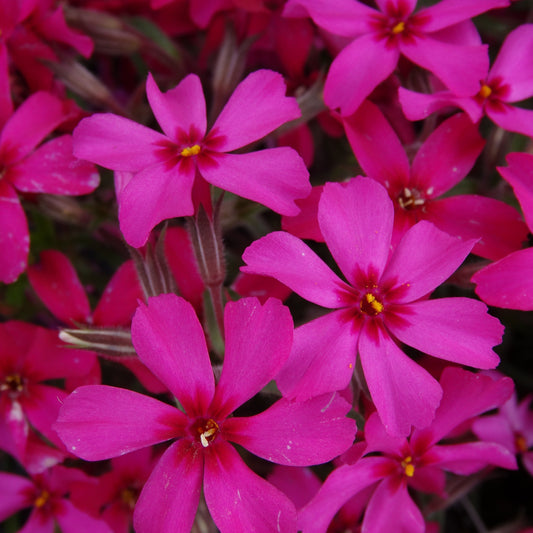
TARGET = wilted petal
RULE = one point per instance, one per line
(258, 340)
(296, 433)
(98, 422)
(117, 143)
(404, 393)
(170, 341)
(323, 357)
(289, 260)
(356, 221)
(423, 259)
(180, 110)
(240, 500)
(175, 484)
(257, 176)
(455, 329)
(357, 71)
(157, 193)
(257, 106)
(508, 282)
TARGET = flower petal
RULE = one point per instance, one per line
(323, 357)
(53, 277)
(257, 176)
(423, 259)
(175, 484)
(157, 193)
(240, 500)
(13, 494)
(376, 146)
(357, 71)
(455, 329)
(508, 282)
(99, 422)
(117, 143)
(73, 520)
(258, 341)
(170, 341)
(14, 235)
(257, 106)
(296, 433)
(356, 220)
(289, 260)
(511, 118)
(180, 110)
(44, 112)
(404, 393)
(53, 169)
(514, 66)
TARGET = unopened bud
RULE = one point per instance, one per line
(107, 341)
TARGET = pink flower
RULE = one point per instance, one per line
(418, 462)
(171, 167)
(383, 301)
(441, 162)
(381, 36)
(509, 80)
(508, 282)
(27, 167)
(46, 495)
(98, 422)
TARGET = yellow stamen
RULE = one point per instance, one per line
(190, 150)
(398, 28)
(208, 433)
(485, 91)
(371, 305)
(41, 500)
(408, 466)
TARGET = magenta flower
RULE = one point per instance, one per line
(381, 36)
(440, 163)
(46, 495)
(508, 282)
(27, 167)
(168, 167)
(383, 301)
(509, 80)
(419, 462)
(98, 422)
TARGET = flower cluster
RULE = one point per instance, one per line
(248, 254)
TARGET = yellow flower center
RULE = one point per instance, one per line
(408, 466)
(190, 150)
(370, 305)
(485, 91)
(12, 383)
(41, 499)
(398, 28)
(207, 432)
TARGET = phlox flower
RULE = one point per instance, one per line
(46, 494)
(29, 356)
(511, 427)
(508, 282)
(509, 80)
(26, 166)
(170, 168)
(391, 465)
(381, 35)
(99, 422)
(382, 302)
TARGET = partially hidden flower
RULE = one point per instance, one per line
(383, 301)
(171, 167)
(98, 422)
